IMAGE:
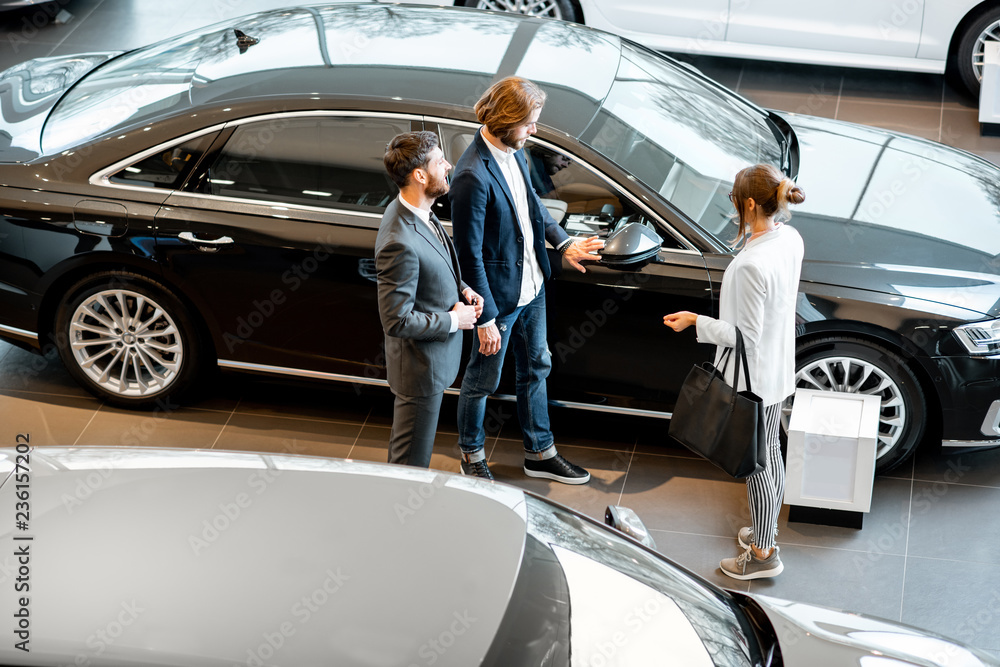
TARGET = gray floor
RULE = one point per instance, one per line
(927, 554)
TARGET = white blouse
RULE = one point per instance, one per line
(759, 292)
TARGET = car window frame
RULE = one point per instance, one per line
(664, 226)
(102, 177)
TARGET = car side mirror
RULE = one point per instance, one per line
(625, 520)
(630, 244)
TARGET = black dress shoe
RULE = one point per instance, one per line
(558, 469)
(477, 469)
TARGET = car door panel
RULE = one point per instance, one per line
(277, 289)
(876, 27)
(598, 319)
(678, 18)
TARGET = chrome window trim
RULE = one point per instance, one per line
(22, 333)
(339, 377)
(323, 112)
(286, 206)
(103, 177)
(689, 250)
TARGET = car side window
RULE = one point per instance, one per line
(164, 169)
(326, 161)
(582, 202)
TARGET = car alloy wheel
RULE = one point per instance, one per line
(969, 56)
(127, 341)
(553, 9)
(855, 366)
(990, 34)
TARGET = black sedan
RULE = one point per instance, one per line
(212, 201)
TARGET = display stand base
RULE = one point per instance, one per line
(989, 129)
(825, 517)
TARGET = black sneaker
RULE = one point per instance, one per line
(477, 469)
(558, 469)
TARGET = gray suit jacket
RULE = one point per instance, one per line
(418, 283)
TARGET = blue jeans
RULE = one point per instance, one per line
(525, 330)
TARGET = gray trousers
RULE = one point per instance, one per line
(414, 425)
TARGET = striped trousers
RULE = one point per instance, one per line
(766, 488)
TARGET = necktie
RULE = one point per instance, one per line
(438, 229)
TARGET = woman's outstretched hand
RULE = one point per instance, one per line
(680, 321)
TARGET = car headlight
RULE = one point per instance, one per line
(980, 338)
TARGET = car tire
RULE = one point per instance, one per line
(967, 57)
(553, 9)
(128, 340)
(858, 366)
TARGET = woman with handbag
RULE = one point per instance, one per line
(759, 293)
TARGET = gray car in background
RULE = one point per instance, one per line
(181, 557)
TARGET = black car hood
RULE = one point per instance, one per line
(899, 215)
(29, 91)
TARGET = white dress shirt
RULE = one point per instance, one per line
(531, 275)
(425, 217)
(759, 292)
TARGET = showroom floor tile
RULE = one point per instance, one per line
(920, 120)
(839, 579)
(257, 433)
(926, 555)
(951, 596)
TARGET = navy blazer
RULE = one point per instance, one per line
(487, 234)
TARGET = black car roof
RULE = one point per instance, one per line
(397, 52)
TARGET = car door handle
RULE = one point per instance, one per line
(191, 238)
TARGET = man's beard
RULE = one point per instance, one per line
(437, 188)
(508, 141)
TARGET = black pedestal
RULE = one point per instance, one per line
(825, 517)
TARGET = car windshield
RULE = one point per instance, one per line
(680, 136)
(585, 595)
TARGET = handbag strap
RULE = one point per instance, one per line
(742, 354)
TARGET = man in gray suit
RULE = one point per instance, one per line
(422, 300)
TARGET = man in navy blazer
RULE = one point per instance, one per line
(422, 300)
(500, 229)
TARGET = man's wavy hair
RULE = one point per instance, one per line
(507, 105)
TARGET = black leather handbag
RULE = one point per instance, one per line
(722, 424)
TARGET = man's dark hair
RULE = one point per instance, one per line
(406, 152)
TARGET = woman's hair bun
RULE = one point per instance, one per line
(788, 191)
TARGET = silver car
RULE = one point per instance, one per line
(181, 557)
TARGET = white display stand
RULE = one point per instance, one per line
(830, 464)
(989, 93)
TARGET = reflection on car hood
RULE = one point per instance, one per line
(810, 635)
(197, 558)
(29, 91)
(921, 219)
